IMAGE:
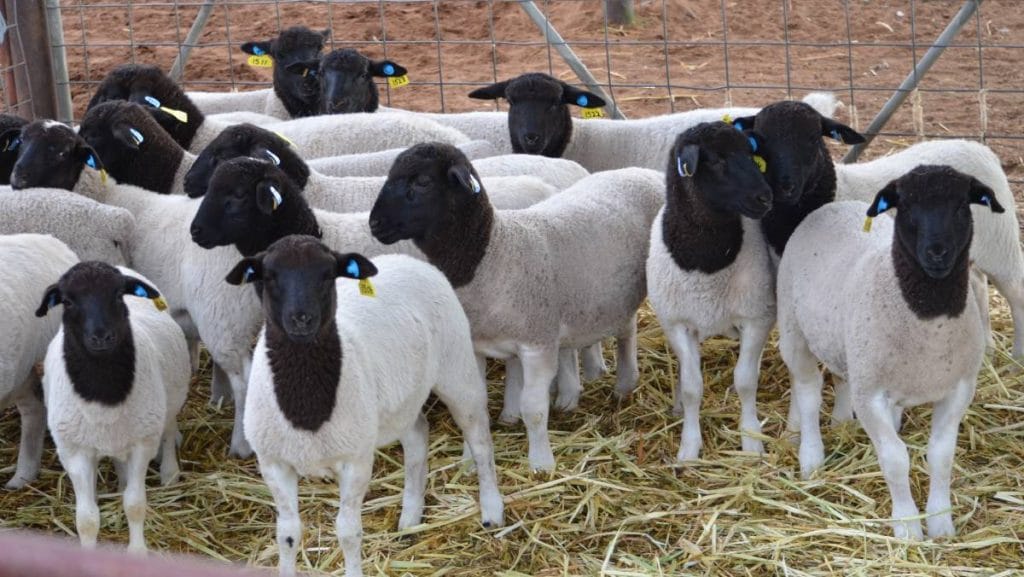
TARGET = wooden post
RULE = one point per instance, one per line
(30, 44)
(620, 12)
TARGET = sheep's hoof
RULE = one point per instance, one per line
(16, 483)
(568, 403)
(508, 418)
(542, 460)
(240, 450)
(908, 530)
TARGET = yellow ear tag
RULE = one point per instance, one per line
(160, 303)
(759, 161)
(366, 288)
(285, 138)
(103, 176)
(263, 61)
(726, 118)
(180, 116)
(589, 113)
(867, 224)
(398, 81)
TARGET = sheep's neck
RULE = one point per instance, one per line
(458, 244)
(698, 237)
(293, 216)
(927, 297)
(105, 379)
(306, 104)
(819, 189)
(306, 376)
(182, 132)
(156, 169)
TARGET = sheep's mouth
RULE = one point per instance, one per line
(386, 233)
(937, 271)
(754, 209)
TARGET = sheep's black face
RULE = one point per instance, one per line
(244, 140)
(719, 159)
(51, 155)
(298, 87)
(346, 81)
(297, 276)
(425, 186)
(934, 221)
(243, 196)
(95, 315)
(10, 142)
(790, 137)
(538, 115)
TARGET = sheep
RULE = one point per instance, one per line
(294, 95)
(709, 271)
(115, 377)
(30, 262)
(313, 136)
(377, 163)
(334, 194)
(539, 123)
(10, 138)
(891, 312)
(580, 254)
(346, 80)
(93, 231)
(325, 392)
(803, 177)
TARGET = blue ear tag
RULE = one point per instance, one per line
(273, 158)
(353, 269)
(91, 162)
(277, 197)
(682, 169)
(475, 184)
(136, 135)
(986, 200)
(13, 144)
(258, 51)
(753, 143)
(389, 70)
(247, 275)
(140, 291)
(582, 100)
(52, 302)
(152, 101)
(738, 125)
(835, 135)
(882, 205)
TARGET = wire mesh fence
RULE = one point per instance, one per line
(15, 91)
(677, 55)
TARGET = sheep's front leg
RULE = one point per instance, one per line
(513, 391)
(875, 415)
(745, 379)
(33, 432)
(946, 418)
(627, 373)
(81, 467)
(806, 397)
(569, 387)
(283, 483)
(355, 478)
(540, 364)
(686, 347)
(220, 385)
(414, 451)
(134, 497)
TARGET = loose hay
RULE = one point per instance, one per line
(617, 504)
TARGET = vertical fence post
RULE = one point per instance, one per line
(59, 73)
(178, 68)
(914, 78)
(30, 45)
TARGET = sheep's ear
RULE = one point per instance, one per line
(249, 269)
(138, 288)
(256, 48)
(491, 92)
(743, 122)
(326, 33)
(51, 298)
(580, 97)
(686, 160)
(304, 67)
(841, 132)
(10, 140)
(982, 194)
(268, 196)
(386, 68)
(354, 265)
(888, 197)
(88, 155)
(463, 175)
(127, 135)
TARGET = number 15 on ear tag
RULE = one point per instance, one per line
(261, 61)
(398, 81)
(366, 288)
(589, 113)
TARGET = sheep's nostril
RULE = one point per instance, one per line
(764, 199)
(937, 252)
(196, 230)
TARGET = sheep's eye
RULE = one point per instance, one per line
(67, 303)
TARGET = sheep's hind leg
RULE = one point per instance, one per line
(592, 358)
(569, 387)
(806, 396)
(33, 432)
(513, 391)
(540, 364)
(627, 373)
(414, 452)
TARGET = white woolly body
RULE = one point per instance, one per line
(837, 287)
(379, 163)
(263, 101)
(162, 375)
(415, 317)
(337, 134)
(717, 303)
(359, 193)
(94, 231)
(31, 263)
(257, 118)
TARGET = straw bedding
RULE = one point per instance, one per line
(617, 504)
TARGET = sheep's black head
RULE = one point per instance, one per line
(934, 221)
(245, 140)
(149, 87)
(298, 88)
(51, 155)
(428, 185)
(295, 277)
(538, 111)
(133, 147)
(717, 162)
(789, 136)
(10, 142)
(95, 315)
(346, 80)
